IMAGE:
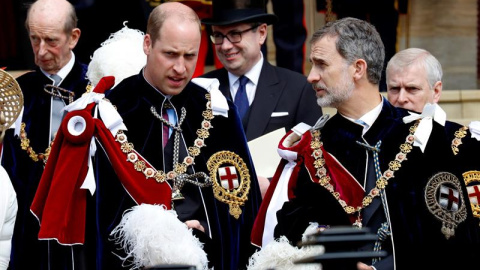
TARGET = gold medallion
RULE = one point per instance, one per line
(472, 181)
(230, 180)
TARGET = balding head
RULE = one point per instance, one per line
(59, 12)
(169, 10)
(52, 30)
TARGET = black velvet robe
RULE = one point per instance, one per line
(227, 239)
(467, 158)
(27, 251)
(414, 229)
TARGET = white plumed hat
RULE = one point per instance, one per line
(121, 56)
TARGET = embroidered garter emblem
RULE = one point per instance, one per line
(230, 180)
(472, 181)
(445, 201)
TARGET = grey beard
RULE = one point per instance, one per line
(337, 98)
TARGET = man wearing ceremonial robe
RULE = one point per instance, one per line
(223, 222)
(414, 79)
(53, 33)
(402, 185)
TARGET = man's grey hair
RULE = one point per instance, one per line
(71, 19)
(417, 56)
(356, 39)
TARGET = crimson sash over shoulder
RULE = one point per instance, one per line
(60, 201)
(323, 168)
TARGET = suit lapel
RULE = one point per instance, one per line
(224, 84)
(268, 93)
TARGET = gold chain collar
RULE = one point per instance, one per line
(457, 141)
(179, 168)
(25, 144)
(381, 183)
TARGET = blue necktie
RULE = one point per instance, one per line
(57, 106)
(241, 100)
(365, 125)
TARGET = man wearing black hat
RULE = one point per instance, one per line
(267, 97)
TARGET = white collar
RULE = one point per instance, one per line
(369, 118)
(253, 74)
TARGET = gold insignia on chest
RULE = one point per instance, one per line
(230, 179)
(472, 181)
(444, 199)
(457, 141)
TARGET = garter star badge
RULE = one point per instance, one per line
(230, 180)
(472, 181)
(444, 199)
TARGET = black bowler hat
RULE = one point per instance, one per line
(227, 12)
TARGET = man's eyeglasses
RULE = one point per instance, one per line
(233, 37)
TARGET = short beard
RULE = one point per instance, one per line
(336, 95)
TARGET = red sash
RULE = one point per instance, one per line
(60, 203)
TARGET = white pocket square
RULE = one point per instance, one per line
(278, 114)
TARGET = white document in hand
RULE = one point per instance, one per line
(264, 152)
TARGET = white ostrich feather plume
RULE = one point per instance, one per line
(152, 235)
(281, 255)
(121, 56)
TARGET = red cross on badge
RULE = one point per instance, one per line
(474, 193)
(228, 177)
(449, 198)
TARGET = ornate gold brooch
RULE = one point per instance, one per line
(233, 189)
(472, 181)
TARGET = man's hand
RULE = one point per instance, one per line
(362, 266)
(195, 224)
(263, 183)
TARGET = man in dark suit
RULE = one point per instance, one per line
(53, 33)
(275, 97)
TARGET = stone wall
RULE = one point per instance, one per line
(448, 29)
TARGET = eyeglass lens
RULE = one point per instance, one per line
(233, 37)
